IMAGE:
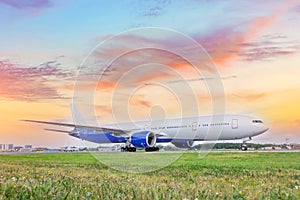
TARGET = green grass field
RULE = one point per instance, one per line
(225, 175)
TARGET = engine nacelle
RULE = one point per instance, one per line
(143, 139)
(183, 143)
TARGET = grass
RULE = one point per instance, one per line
(217, 176)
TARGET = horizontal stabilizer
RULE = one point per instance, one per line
(52, 123)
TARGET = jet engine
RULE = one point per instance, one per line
(183, 143)
(143, 139)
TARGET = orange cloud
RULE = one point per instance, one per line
(249, 96)
(141, 102)
(103, 109)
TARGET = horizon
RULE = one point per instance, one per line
(253, 45)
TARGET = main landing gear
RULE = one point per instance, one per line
(128, 148)
(133, 149)
(149, 149)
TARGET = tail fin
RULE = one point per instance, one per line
(78, 119)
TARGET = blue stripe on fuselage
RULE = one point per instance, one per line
(106, 137)
(100, 137)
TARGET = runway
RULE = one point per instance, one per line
(204, 151)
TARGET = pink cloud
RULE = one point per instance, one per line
(266, 53)
(29, 83)
(134, 66)
(226, 44)
(297, 8)
(22, 4)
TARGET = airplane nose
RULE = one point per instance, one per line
(264, 128)
(258, 127)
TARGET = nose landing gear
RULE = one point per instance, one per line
(244, 147)
(244, 144)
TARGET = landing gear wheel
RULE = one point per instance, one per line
(244, 147)
(150, 149)
(128, 149)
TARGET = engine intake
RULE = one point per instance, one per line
(143, 139)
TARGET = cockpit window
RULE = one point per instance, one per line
(257, 121)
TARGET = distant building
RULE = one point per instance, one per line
(6, 147)
(10, 147)
(296, 147)
(28, 146)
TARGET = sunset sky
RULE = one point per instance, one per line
(253, 44)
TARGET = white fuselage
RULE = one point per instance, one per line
(215, 127)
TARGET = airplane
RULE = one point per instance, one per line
(181, 132)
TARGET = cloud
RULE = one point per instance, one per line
(140, 66)
(297, 8)
(129, 66)
(30, 83)
(266, 53)
(23, 4)
(268, 47)
(132, 64)
(226, 44)
(222, 44)
(140, 102)
(248, 96)
(150, 8)
(101, 109)
(153, 11)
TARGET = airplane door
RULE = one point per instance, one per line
(194, 126)
(234, 124)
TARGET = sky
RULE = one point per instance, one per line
(251, 48)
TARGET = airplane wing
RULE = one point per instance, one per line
(114, 131)
(56, 130)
